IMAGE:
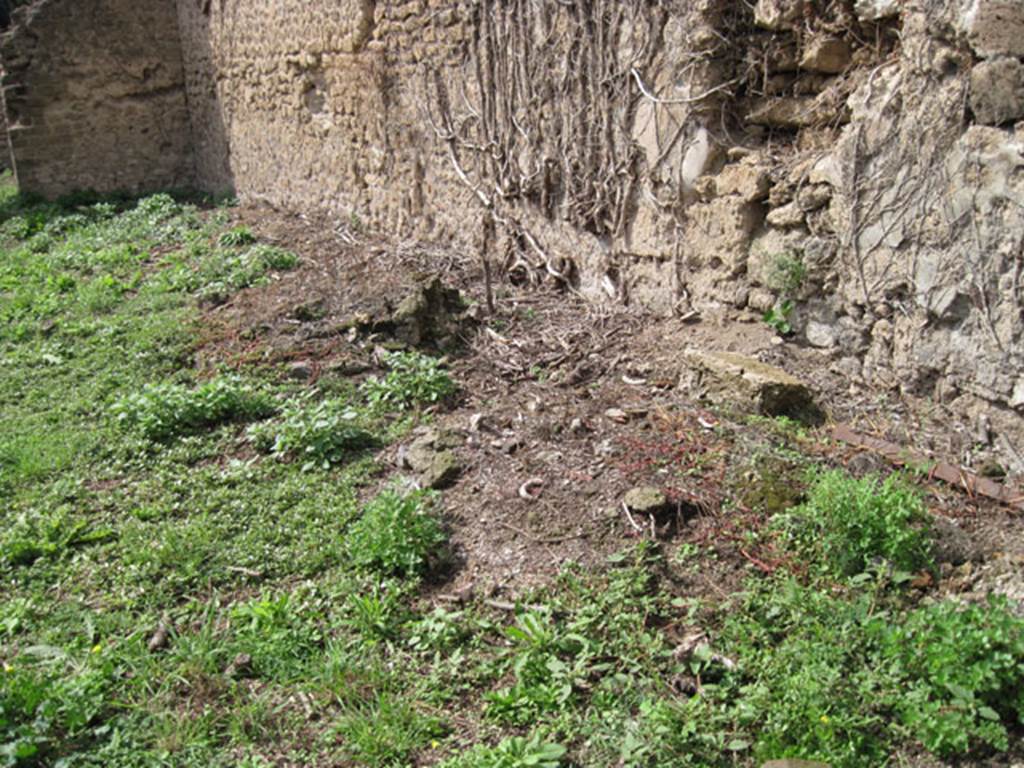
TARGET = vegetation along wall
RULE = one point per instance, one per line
(858, 157)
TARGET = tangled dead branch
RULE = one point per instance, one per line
(541, 113)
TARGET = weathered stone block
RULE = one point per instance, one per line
(791, 112)
(830, 55)
(739, 380)
(751, 182)
(778, 14)
(876, 10)
(994, 27)
(997, 90)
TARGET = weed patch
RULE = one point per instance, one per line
(397, 535)
(414, 379)
(166, 411)
(848, 525)
(961, 674)
(513, 752)
(316, 434)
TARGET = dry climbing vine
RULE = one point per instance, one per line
(541, 112)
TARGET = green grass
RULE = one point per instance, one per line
(241, 523)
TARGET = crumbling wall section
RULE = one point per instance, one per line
(850, 166)
(95, 97)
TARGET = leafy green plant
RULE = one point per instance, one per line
(102, 294)
(806, 684)
(959, 672)
(778, 317)
(236, 237)
(215, 275)
(272, 257)
(275, 634)
(397, 534)
(46, 534)
(847, 525)
(49, 700)
(547, 664)
(319, 434)
(164, 411)
(786, 273)
(413, 379)
(439, 630)
(513, 752)
(376, 614)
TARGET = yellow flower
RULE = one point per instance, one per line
(97, 648)
(824, 719)
(434, 744)
(8, 667)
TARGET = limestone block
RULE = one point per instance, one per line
(791, 113)
(786, 217)
(778, 14)
(994, 27)
(997, 90)
(830, 55)
(876, 10)
(743, 381)
(751, 182)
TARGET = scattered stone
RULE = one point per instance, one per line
(309, 311)
(997, 90)
(577, 427)
(442, 472)
(617, 414)
(992, 469)
(820, 335)
(876, 10)
(778, 14)
(430, 457)
(301, 370)
(429, 313)
(830, 55)
(240, 667)
(509, 445)
(349, 367)
(729, 377)
(159, 638)
(646, 500)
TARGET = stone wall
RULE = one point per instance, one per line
(95, 97)
(855, 160)
(302, 104)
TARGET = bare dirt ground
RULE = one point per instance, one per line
(565, 406)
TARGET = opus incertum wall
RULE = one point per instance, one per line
(668, 154)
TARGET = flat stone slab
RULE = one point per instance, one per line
(738, 380)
